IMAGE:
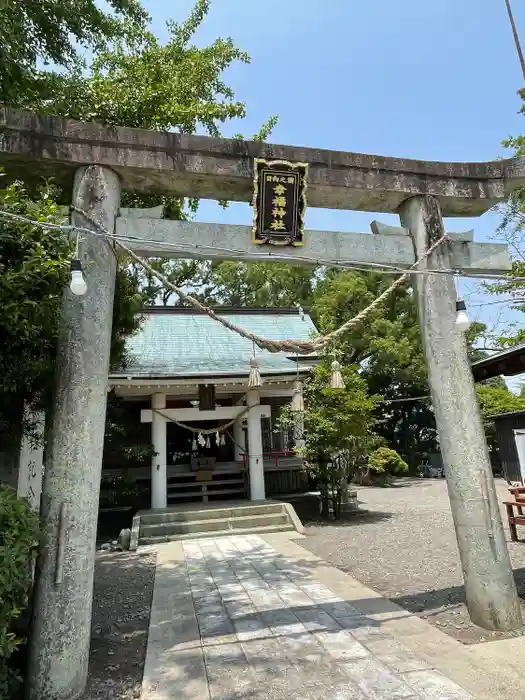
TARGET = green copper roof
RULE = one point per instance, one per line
(180, 344)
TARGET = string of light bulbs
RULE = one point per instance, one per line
(187, 248)
(301, 347)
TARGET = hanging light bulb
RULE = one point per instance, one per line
(78, 284)
(462, 320)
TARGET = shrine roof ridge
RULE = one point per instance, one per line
(227, 310)
(216, 168)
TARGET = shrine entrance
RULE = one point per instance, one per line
(99, 162)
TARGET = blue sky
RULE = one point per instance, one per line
(412, 78)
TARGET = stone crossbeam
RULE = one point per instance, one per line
(182, 239)
(210, 168)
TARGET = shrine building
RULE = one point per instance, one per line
(214, 435)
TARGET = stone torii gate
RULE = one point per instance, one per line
(100, 161)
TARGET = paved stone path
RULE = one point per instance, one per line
(233, 619)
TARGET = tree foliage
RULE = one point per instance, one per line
(337, 429)
(493, 400)
(133, 80)
(139, 82)
(512, 230)
(19, 541)
(46, 31)
(388, 348)
(385, 462)
(35, 268)
(259, 284)
(34, 264)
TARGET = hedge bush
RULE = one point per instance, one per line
(19, 542)
(384, 461)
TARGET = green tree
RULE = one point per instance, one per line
(34, 264)
(46, 31)
(260, 284)
(137, 81)
(492, 401)
(20, 538)
(337, 428)
(34, 269)
(388, 348)
(133, 81)
(512, 230)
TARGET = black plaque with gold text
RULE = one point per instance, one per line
(279, 202)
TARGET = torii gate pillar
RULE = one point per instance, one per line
(491, 595)
(61, 626)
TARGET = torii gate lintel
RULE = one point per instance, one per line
(222, 169)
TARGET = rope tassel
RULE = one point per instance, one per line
(297, 398)
(254, 380)
(336, 380)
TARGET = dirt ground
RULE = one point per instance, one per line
(121, 610)
(404, 547)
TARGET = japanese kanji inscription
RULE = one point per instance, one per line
(279, 202)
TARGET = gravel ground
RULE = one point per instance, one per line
(404, 547)
(121, 610)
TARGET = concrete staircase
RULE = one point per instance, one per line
(176, 523)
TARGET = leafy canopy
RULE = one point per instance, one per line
(46, 31)
(133, 80)
(334, 420)
(34, 268)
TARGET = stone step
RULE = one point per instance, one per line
(219, 533)
(179, 495)
(175, 478)
(211, 482)
(210, 513)
(212, 525)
